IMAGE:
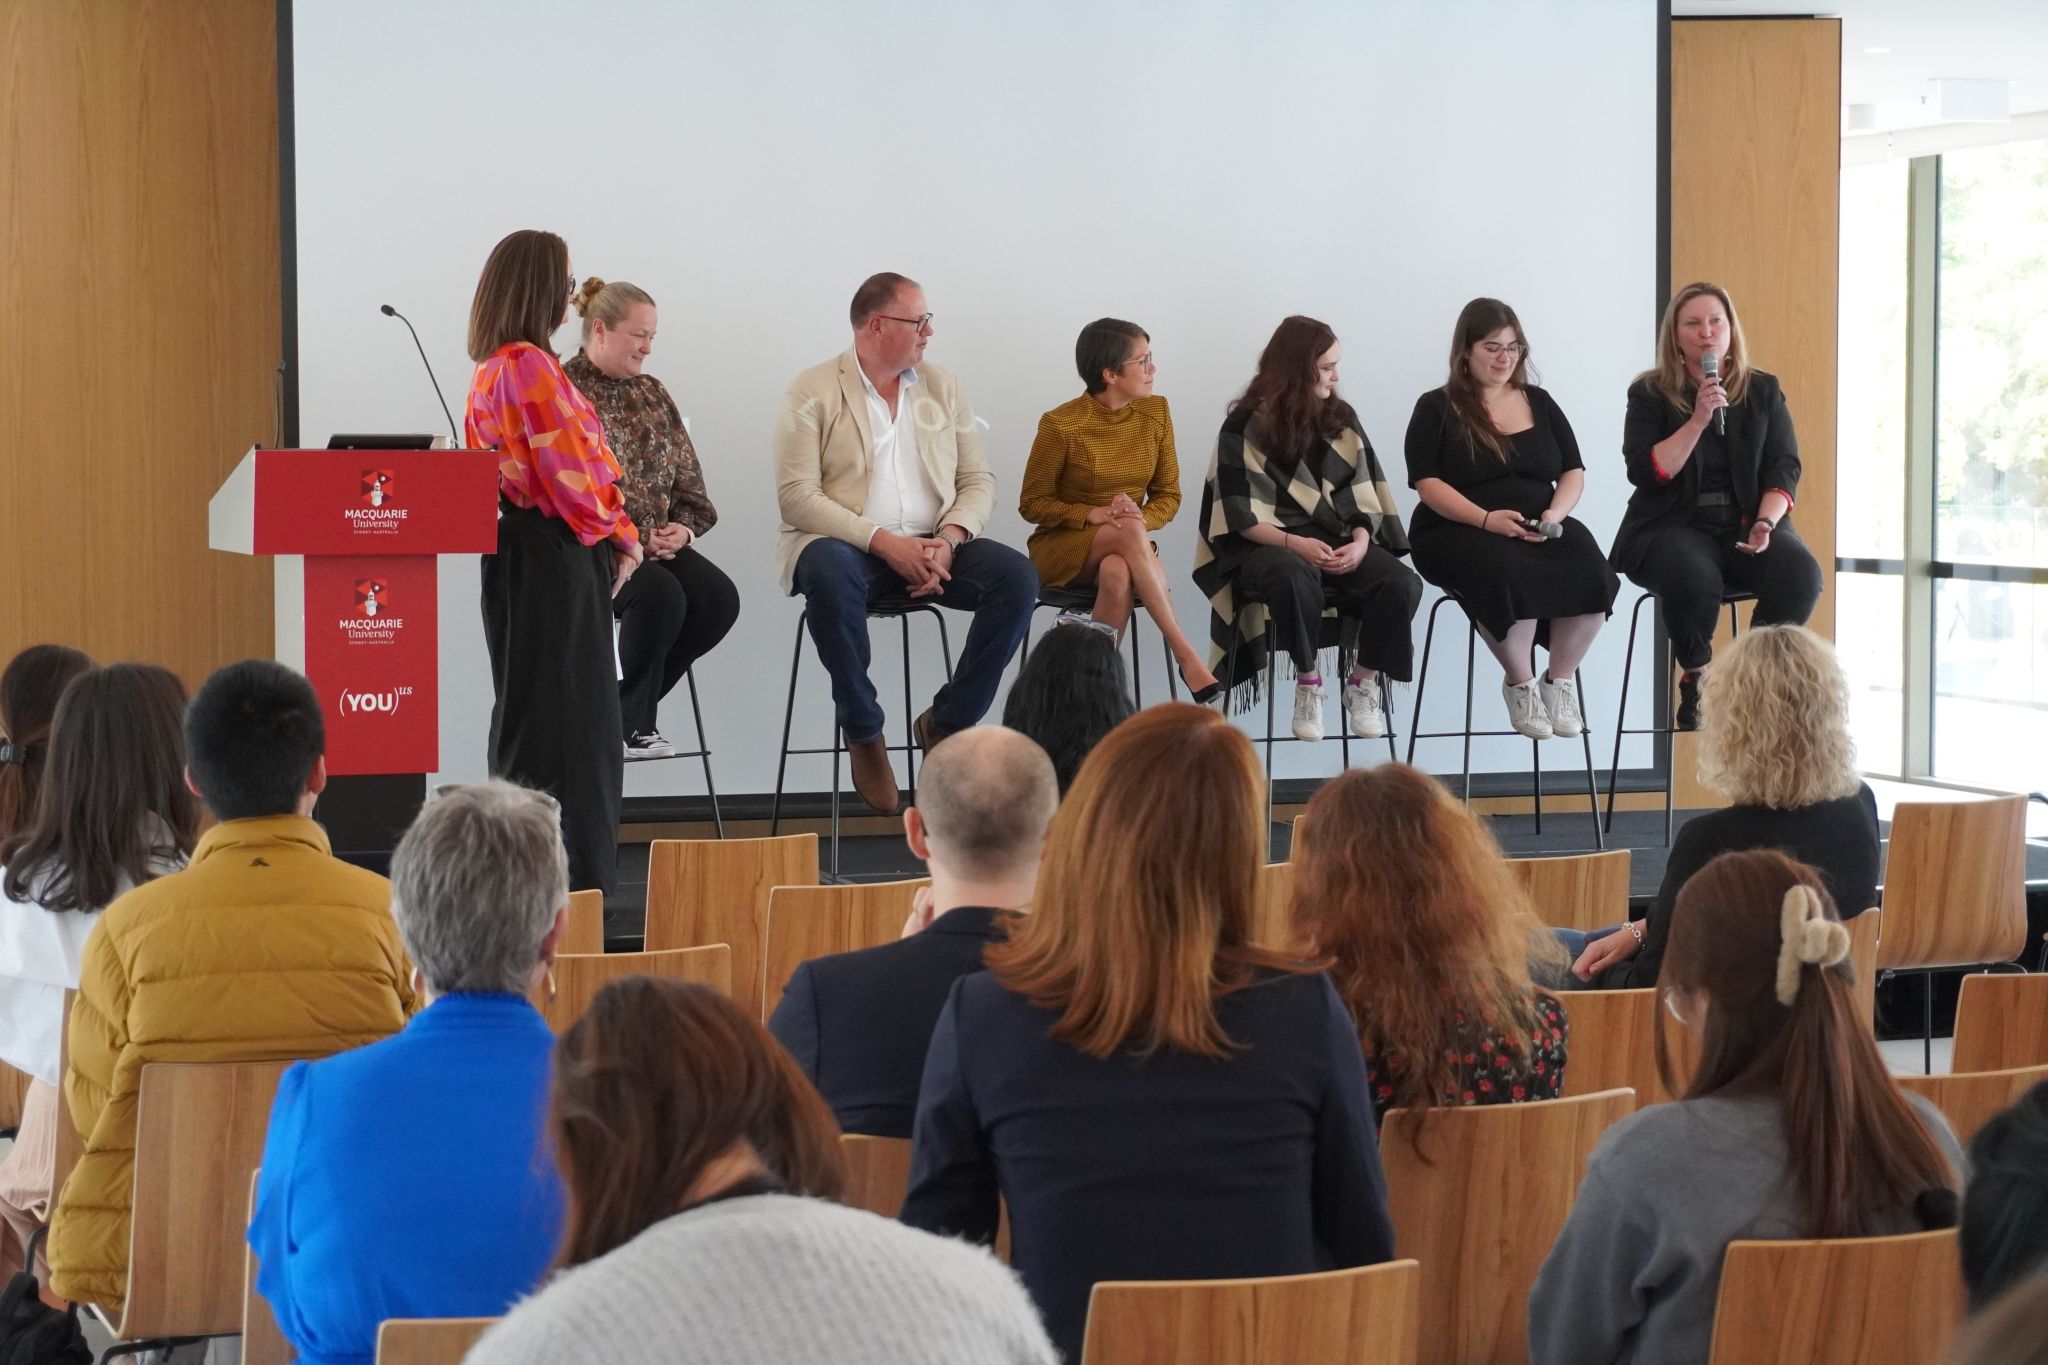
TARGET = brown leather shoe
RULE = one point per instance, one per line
(873, 778)
(928, 731)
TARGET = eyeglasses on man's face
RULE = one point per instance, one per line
(920, 324)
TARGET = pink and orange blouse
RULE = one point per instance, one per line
(552, 454)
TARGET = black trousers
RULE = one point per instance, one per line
(671, 613)
(1688, 567)
(555, 706)
(1376, 604)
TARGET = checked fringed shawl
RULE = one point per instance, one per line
(1335, 487)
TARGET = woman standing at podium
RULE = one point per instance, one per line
(565, 548)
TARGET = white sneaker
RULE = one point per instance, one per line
(1561, 705)
(1525, 709)
(1308, 712)
(1362, 708)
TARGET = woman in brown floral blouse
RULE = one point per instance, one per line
(680, 604)
(1430, 941)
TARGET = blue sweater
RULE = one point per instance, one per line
(409, 1179)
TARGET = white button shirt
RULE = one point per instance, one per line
(901, 494)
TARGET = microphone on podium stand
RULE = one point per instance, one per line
(388, 311)
(1710, 366)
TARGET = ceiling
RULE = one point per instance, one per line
(1929, 40)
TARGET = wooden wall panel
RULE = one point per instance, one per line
(1756, 142)
(139, 297)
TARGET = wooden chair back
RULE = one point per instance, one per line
(877, 1172)
(1853, 1301)
(262, 1342)
(703, 891)
(428, 1341)
(13, 1089)
(1864, 932)
(70, 1142)
(1612, 1044)
(584, 933)
(1294, 840)
(199, 1129)
(1580, 891)
(1479, 1206)
(810, 921)
(1955, 884)
(1366, 1316)
(1273, 916)
(2001, 1022)
(579, 977)
(1968, 1099)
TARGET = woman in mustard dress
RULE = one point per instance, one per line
(1101, 479)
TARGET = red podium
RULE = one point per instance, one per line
(364, 622)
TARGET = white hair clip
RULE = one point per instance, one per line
(1807, 935)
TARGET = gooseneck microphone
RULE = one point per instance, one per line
(388, 311)
(1710, 366)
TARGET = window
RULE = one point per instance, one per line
(1871, 458)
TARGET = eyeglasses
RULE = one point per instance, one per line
(1143, 362)
(922, 325)
(572, 284)
(1514, 348)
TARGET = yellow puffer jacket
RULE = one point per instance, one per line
(265, 947)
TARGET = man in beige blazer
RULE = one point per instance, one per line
(884, 489)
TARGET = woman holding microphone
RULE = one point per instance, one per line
(1715, 465)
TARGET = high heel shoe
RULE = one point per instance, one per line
(1200, 696)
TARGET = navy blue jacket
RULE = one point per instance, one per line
(1162, 1167)
(859, 1023)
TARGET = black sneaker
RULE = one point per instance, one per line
(648, 744)
(1688, 702)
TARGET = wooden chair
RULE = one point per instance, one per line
(584, 933)
(1864, 932)
(1365, 1316)
(70, 1142)
(262, 1342)
(877, 1172)
(428, 1341)
(1612, 1044)
(703, 891)
(1479, 1207)
(1854, 1301)
(810, 921)
(1583, 891)
(1294, 843)
(1968, 1099)
(2001, 1021)
(580, 976)
(1954, 890)
(1273, 917)
(13, 1089)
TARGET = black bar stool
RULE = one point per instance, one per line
(900, 609)
(1083, 599)
(702, 752)
(1662, 728)
(1468, 734)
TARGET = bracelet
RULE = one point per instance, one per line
(1635, 931)
(1765, 522)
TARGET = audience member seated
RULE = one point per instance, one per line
(1790, 1127)
(1429, 938)
(1071, 692)
(113, 813)
(266, 946)
(859, 1023)
(1774, 739)
(403, 1179)
(29, 689)
(1156, 1097)
(2005, 1205)
(2012, 1331)
(701, 1167)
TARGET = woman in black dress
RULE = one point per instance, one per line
(1492, 458)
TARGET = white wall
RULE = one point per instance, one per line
(1202, 168)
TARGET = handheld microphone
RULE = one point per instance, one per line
(1549, 530)
(388, 311)
(1710, 366)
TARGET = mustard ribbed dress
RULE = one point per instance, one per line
(1083, 456)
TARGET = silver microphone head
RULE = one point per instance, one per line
(1710, 365)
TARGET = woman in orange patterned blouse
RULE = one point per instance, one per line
(1431, 942)
(565, 548)
(1102, 477)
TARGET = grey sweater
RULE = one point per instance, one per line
(1636, 1270)
(774, 1279)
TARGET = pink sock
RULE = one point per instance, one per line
(1308, 680)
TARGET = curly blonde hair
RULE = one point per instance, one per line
(1774, 721)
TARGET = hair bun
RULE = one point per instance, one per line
(1807, 937)
(592, 287)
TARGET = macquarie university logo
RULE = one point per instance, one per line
(373, 597)
(384, 703)
(372, 617)
(377, 511)
(378, 486)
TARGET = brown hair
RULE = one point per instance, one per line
(607, 302)
(657, 1080)
(1406, 893)
(29, 690)
(1479, 320)
(876, 292)
(1283, 392)
(1669, 373)
(1143, 912)
(1102, 345)
(117, 757)
(1857, 1149)
(523, 294)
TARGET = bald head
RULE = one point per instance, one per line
(986, 796)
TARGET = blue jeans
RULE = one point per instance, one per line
(838, 581)
(1575, 941)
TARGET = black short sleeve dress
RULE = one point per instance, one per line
(1504, 580)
